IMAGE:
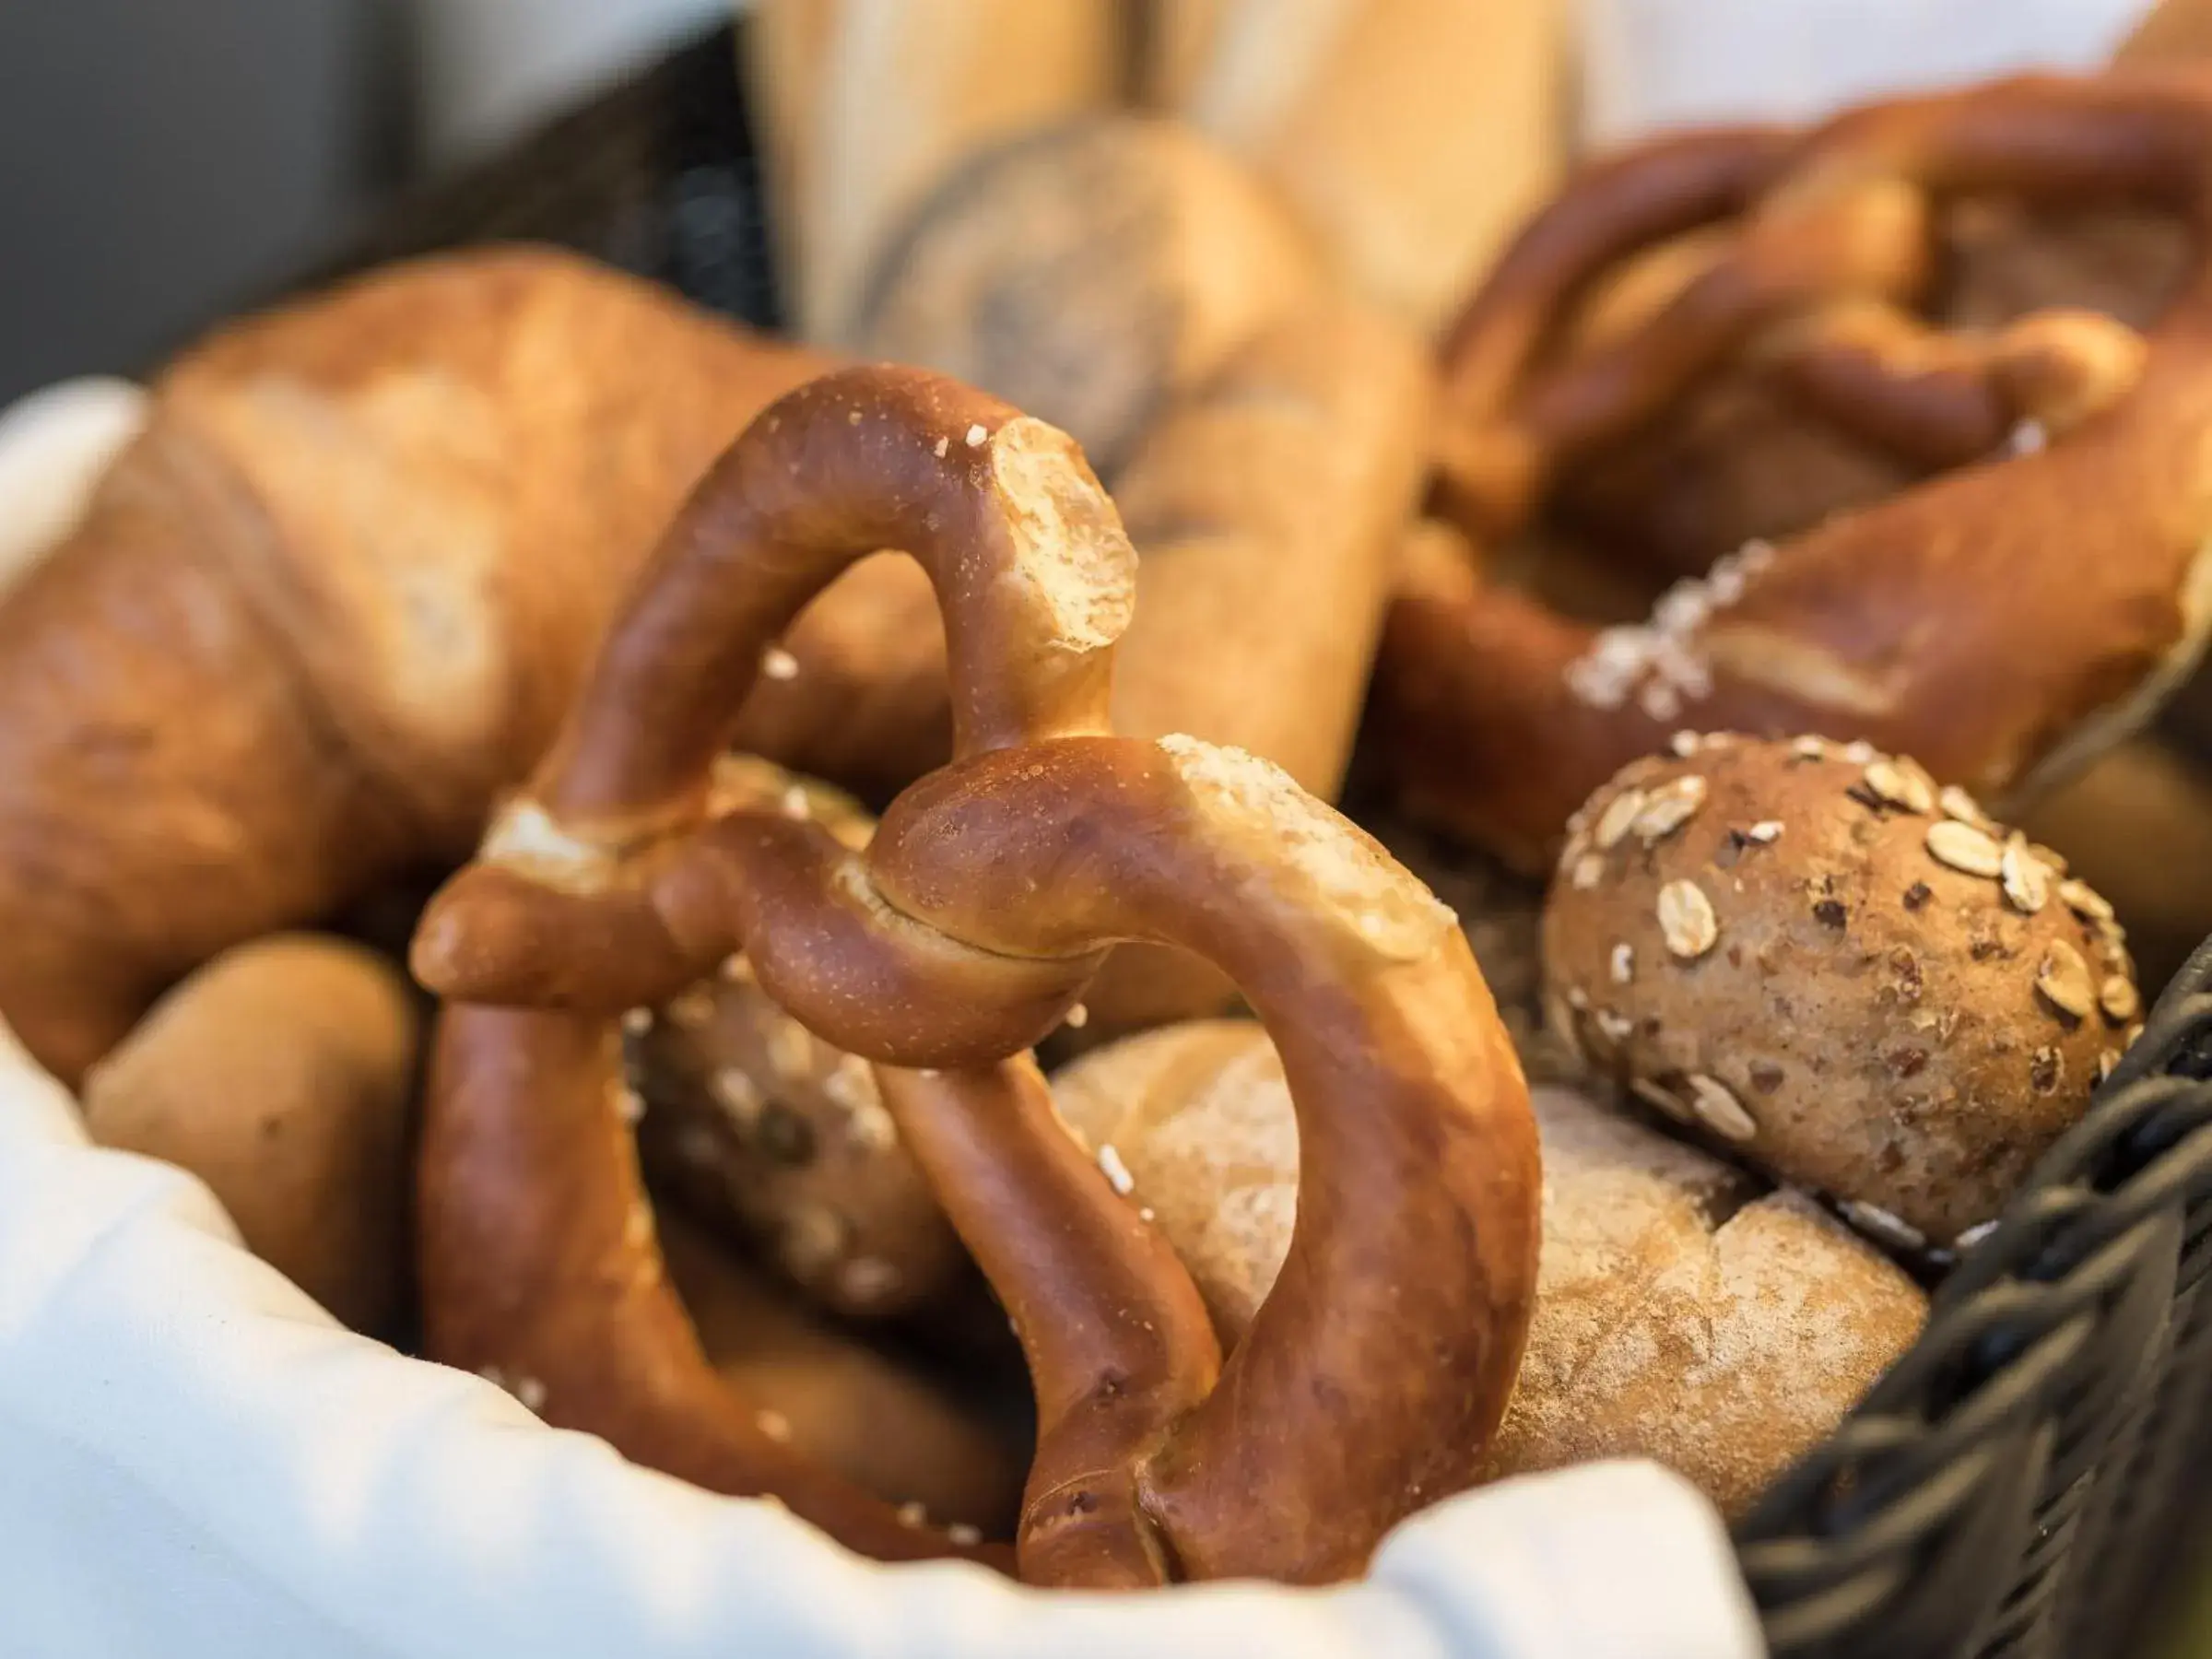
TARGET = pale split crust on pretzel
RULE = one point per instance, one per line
(1373, 1377)
(1997, 623)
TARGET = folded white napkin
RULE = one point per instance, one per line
(198, 1463)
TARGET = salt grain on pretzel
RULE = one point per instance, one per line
(967, 930)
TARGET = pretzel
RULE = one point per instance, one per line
(2000, 623)
(965, 931)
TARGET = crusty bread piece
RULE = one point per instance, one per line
(1087, 275)
(872, 1416)
(282, 1074)
(1411, 135)
(1683, 1313)
(867, 104)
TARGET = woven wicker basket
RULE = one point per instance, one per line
(2014, 1485)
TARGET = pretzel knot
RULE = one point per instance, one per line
(1991, 621)
(963, 932)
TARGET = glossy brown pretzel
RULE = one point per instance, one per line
(1376, 1373)
(1998, 622)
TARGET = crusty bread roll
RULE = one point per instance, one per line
(867, 104)
(1681, 1316)
(1411, 135)
(877, 1419)
(282, 1074)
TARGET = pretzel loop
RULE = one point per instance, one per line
(1953, 598)
(1375, 1375)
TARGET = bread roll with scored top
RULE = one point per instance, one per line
(1090, 273)
(1684, 1312)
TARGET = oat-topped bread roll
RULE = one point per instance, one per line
(1409, 134)
(1683, 1313)
(1842, 973)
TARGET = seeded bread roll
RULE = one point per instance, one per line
(1850, 978)
(1680, 1315)
(282, 1074)
(767, 1132)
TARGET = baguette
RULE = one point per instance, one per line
(1410, 134)
(868, 103)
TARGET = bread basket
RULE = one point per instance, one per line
(2009, 1488)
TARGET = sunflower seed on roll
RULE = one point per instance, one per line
(1850, 980)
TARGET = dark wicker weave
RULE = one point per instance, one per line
(2013, 1486)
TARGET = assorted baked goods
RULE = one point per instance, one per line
(732, 1148)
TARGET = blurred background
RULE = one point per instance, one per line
(160, 163)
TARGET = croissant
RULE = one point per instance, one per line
(334, 599)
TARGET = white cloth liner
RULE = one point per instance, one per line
(198, 1463)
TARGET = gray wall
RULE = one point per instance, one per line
(162, 158)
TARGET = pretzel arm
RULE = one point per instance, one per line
(824, 944)
(1118, 1342)
(1889, 379)
(540, 1269)
(1380, 1365)
(1943, 399)
(1033, 573)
